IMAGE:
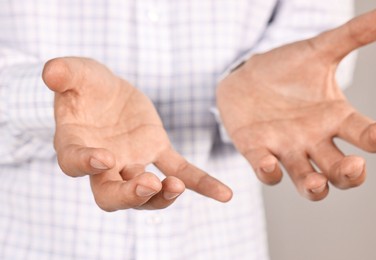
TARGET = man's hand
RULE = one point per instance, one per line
(109, 130)
(285, 105)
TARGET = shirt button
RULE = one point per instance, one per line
(154, 220)
(153, 16)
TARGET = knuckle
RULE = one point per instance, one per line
(357, 182)
(66, 165)
(161, 206)
(105, 208)
(272, 181)
(316, 197)
(126, 204)
(182, 167)
(269, 178)
(154, 205)
(103, 204)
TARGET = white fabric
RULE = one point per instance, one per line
(174, 51)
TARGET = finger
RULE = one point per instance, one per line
(360, 131)
(342, 171)
(348, 172)
(61, 74)
(76, 160)
(173, 164)
(172, 187)
(112, 193)
(265, 165)
(68, 73)
(325, 155)
(131, 171)
(309, 183)
(339, 42)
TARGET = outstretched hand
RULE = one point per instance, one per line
(109, 130)
(285, 106)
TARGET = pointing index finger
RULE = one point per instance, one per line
(172, 163)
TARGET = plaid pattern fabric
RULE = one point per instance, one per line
(175, 52)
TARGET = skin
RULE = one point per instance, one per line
(285, 106)
(107, 129)
(281, 106)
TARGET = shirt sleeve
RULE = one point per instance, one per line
(295, 20)
(26, 109)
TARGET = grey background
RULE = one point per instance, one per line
(343, 226)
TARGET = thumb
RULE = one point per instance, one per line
(71, 73)
(339, 42)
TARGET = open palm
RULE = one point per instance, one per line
(285, 105)
(109, 130)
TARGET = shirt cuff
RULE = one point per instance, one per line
(235, 65)
(225, 138)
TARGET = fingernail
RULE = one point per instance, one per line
(356, 174)
(143, 191)
(170, 195)
(268, 169)
(319, 189)
(98, 164)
